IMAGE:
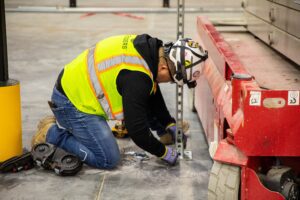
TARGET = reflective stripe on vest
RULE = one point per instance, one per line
(96, 86)
(106, 65)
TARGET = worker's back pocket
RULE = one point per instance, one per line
(61, 116)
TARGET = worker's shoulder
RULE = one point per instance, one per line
(134, 79)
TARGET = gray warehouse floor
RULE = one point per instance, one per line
(39, 44)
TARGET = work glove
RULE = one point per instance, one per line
(170, 156)
(171, 128)
(170, 136)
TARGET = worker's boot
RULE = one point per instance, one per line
(168, 138)
(42, 130)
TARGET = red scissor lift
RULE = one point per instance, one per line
(248, 102)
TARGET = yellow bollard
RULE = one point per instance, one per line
(10, 121)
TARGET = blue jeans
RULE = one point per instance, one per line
(85, 135)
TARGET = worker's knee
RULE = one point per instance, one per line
(110, 162)
(114, 161)
(113, 157)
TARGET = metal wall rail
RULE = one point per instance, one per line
(179, 88)
(110, 10)
(166, 3)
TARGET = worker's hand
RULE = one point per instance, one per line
(171, 129)
(170, 156)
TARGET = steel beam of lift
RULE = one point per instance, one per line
(179, 90)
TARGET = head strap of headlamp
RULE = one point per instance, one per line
(167, 48)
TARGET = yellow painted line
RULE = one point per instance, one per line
(98, 197)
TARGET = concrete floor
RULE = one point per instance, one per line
(39, 44)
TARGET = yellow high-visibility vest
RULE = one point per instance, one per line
(89, 81)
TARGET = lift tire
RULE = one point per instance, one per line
(224, 182)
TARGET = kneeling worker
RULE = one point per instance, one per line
(117, 79)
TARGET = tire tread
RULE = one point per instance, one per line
(224, 182)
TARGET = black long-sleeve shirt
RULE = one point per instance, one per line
(135, 89)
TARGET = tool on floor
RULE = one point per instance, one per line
(17, 163)
(142, 156)
(119, 130)
(54, 158)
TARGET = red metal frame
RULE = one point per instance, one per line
(252, 188)
(246, 134)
